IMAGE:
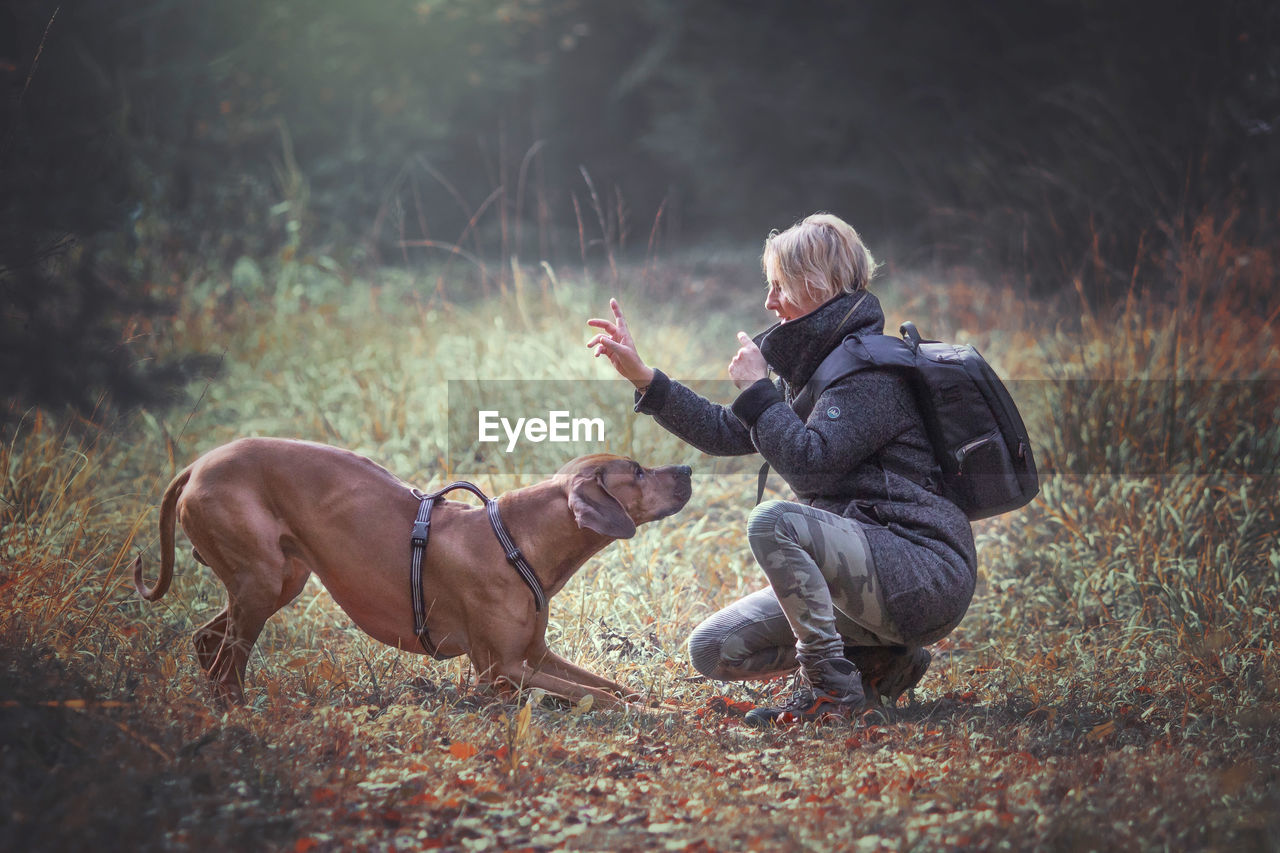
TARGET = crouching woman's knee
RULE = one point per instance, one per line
(749, 639)
(705, 646)
(768, 524)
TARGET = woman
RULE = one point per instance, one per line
(869, 564)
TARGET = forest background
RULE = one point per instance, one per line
(285, 217)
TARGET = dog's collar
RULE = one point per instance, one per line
(418, 541)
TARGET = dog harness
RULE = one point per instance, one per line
(418, 541)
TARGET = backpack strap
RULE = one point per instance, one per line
(836, 366)
(839, 363)
(855, 353)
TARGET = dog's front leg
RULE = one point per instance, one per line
(543, 659)
(519, 674)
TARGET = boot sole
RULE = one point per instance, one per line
(822, 711)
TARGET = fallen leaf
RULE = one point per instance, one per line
(728, 707)
(330, 672)
(522, 721)
(462, 750)
(1101, 730)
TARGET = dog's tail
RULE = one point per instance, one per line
(168, 511)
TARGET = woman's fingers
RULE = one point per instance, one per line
(616, 329)
(623, 331)
(610, 348)
(748, 364)
(603, 340)
(615, 342)
(746, 345)
(622, 356)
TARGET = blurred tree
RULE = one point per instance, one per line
(69, 302)
(365, 93)
(1036, 137)
(1033, 137)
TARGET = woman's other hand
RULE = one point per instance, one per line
(616, 342)
(748, 366)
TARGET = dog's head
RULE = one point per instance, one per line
(612, 494)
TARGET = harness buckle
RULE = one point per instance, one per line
(420, 531)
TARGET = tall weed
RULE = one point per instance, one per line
(1158, 427)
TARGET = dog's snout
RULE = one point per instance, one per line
(683, 476)
(678, 472)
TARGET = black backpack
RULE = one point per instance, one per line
(977, 434)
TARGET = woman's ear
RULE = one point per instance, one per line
(595, 509)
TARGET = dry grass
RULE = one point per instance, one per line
(1116, 684)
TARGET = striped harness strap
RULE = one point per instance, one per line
(418, 540)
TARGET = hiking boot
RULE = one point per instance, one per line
(829, 688)
(888, 671)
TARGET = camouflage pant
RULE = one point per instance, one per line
(823, 595)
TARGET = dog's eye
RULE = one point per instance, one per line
(639, 473)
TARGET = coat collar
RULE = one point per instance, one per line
(796, 348)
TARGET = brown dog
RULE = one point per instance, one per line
(264, 513)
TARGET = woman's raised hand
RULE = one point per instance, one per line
(615, 341)
(748, 365)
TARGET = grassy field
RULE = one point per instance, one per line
(1116, 684)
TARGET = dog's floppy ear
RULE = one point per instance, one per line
(595, 509)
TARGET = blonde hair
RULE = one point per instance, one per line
(822, 253)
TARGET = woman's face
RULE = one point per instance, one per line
(787, 306)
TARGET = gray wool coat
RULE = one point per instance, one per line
(852, 456)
